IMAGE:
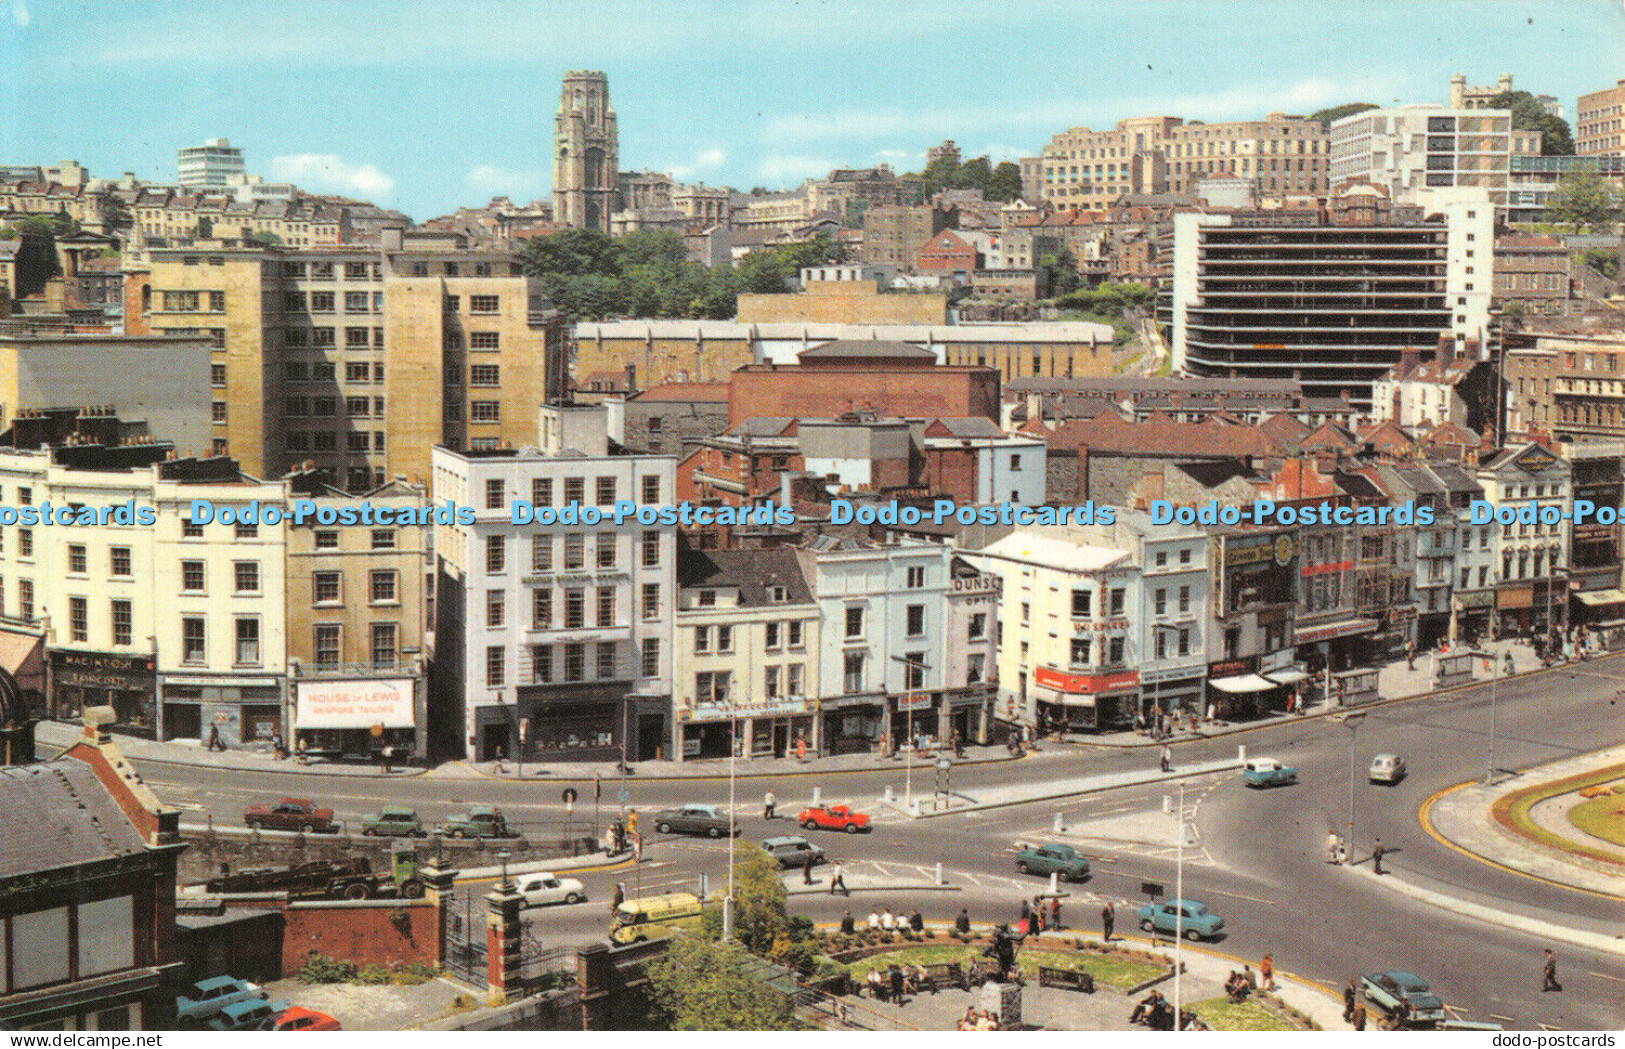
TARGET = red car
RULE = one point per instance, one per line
(291, 814)
(299, 1018)
(833, 817)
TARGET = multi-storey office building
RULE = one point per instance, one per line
(1332, 301)
(553, 640)
(357, 360)
(1599, 123)
(1411, 149)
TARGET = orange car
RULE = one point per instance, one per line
(299, 1018)
(833, 817)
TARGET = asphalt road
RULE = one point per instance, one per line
(1259, 860)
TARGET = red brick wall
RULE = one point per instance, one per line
(362, 933)
(926, 392)
(951, 472)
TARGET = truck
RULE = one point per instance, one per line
(352, 879)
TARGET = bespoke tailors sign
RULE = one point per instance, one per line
(354, 704)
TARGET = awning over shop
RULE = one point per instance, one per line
(1601, 597)
(1242, 683)
(1287, 676)
(1327, 631)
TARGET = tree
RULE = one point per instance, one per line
(1585, 200)
(1604, 260)
(853, 215)
(1347, 109)
(1005, 182)
(1060, 271)
(707, 985)
(35, 262)
(262, 236)
(1529, 115)
(116, 215)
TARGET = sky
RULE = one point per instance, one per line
(428, 105)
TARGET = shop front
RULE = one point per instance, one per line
(916, 719)
(1236, 690)
(1085, 702)
(969, 715)
(1513, 606)
(1289, 676)
(1170, 690)
(760, 729)
(560, 723)
(1472, 611)
(357, 716)
(81, 679)
(1335, 644)
(237, 710)
(853, 724)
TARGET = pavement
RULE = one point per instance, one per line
(252, 758)
(382, 1007)
(1043, 790)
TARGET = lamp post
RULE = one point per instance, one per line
(1351, 721)
(733, 752)
(1179, 907)
(908, 771)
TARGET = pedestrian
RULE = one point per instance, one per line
(837, 879)
(1139, 724)
(1035, 920)
(806, 868)
(1266, 972)
(1055, 912)
(801, 749)
(1108, 919)
(1250, 976)
(896, 975)
(962, 923)
(1349, 995)
(1549, 973)
(874, 919)
(1026, 911)
(916, 921)
(848, 926)
(618, 898)
(1410, 655)
(1376, 856)
(769, 802)
(1212, 712)
(214, 738)
(278, 751)
(1331, 847)
(1167, 758)
(888, 921)
(1359, 1014)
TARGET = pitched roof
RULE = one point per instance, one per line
(1161, 436)
(975, 426)
(69, 816)
(684, 391)
(751, 571)
(876, 348)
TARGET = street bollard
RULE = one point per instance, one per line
(1167, 803)
(1054, 883)
(1241, 754)
(914, 806)
(939, 872)
(1057, 828)
(818, 796)
(891, 795)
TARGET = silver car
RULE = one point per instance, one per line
(1387, 768)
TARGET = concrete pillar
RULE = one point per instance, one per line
(438, 888)
(502, 942)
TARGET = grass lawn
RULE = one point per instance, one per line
(1512, 810)
(1221, 1014)
(1111, 971)
(1602, 817)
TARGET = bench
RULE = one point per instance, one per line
(945, 974)
(1070, 979)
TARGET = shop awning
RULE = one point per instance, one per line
(1327, 631)
(1075, 699)
(1601, 597)
(1242, 683)
(1287, 676)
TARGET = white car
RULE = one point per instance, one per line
(1386, 768)
(543, 888)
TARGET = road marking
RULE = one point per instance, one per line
(1498, 1016)
(1609, 976)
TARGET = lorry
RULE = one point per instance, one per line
(352, 879)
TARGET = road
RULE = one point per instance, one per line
(1259, 859)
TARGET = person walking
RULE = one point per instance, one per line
(1331, 847)
(1108, 919)
(1349, 994)
(1376, 856)
(1549, 973)
(1026, 911)
(806, 868)
(214, 738)
(769, 803)
(618, 898)
(1055, 912)
(1359, 1014)
(962, 923)
(1167, 758)
(1266, 972)
(837, 879)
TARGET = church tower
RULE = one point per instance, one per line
(586, 153)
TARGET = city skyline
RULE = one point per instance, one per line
(411, 125)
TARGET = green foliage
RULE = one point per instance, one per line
(853, 217)
(1585, 200)
(1530, 115)
(116, 215)
(1005, 182)
(1347, 109)
(996, 183)
(36, 262)
(707, 985)
(263, 236)
(374, 974)
(1060, 271)
(319, 968)
(1110, 299)
(1604, 260)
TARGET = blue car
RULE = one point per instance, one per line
(1267, 772)
(206, 999)
(1190, 917)
(1062, 860)
(244, 1016)
(1387, 989)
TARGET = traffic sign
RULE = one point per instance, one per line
(377, 730)
(1151, 888)
(623, 796)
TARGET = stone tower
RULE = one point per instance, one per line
(586, 153)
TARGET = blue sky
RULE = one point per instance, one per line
(425, 105)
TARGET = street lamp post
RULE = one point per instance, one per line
(908, 770)
(1179, 907)
(733, 753)
(1351, 721)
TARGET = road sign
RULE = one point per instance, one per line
(569, 797)
(377, 730)
(1151, 888)
(944, 764)
(623, 796)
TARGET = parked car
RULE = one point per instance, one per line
(1387, 768)
(298, 1018)
(1053, 859)
(792, 851)
(833, 817)
(544, 888)
(1267, 772)
(708, 820)
(1173, 917)
(206, 998)
(1388, 989)
(481, 821)
(244, 1016)
(291, 814)
(393, 821)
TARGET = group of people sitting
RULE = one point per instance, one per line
(898, 982)
(885, 921)
(1239, 985)
(983, 1021)
(1157, 1013)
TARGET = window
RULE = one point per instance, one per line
(484, 411)
(852, 672)
(483, 303)
(541, 664)
(25, 599)
(357, 338)
(1185, 556)
(1184, 599)
(773, 636)
(358, 407)
(1161, 645)
(575, 608)
(383, 644)
(1117, 601)
(606, 659)
(248, 641)
(217, 375)
(725, 639)
(978, 625)
(651, 600)
(357, 302)
(575, 551)
(327, 539)
(606, 606)
(76, 558)
(496, 607)
(78, 619)
(651, 489)
(1081, 601)
(770, 682)
(712, 687)
(484, 375)
(541, 607)
(496, 554)
(916, 577)
(493, 493)
(575, 661)
(604, 489)
(914, 619)
(1160, 602)
(484, 340)
(702, 639)
(651, 549)
(651, 657)
(190, 529)
(541, 553)
(243, 531)
(40, 944)
(321, 302)
(574, 489)
(606, 550)
(854, 621)
(496, 659)
(1079, 651)
(914, 670)
(1184, 642)
(1114, 651)
(247, 577)
(193, 632)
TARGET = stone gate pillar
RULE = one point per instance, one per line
(502, 956)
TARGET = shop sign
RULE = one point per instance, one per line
(755, 709)
(1077, 683)
(354, 704)
(1517, 597)
(914, 701)
(101, 670)
(1232, 667)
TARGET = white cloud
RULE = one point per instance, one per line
(787, 168)
(19, 12)
(329, 172)
(495, 181)
(705, 160)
